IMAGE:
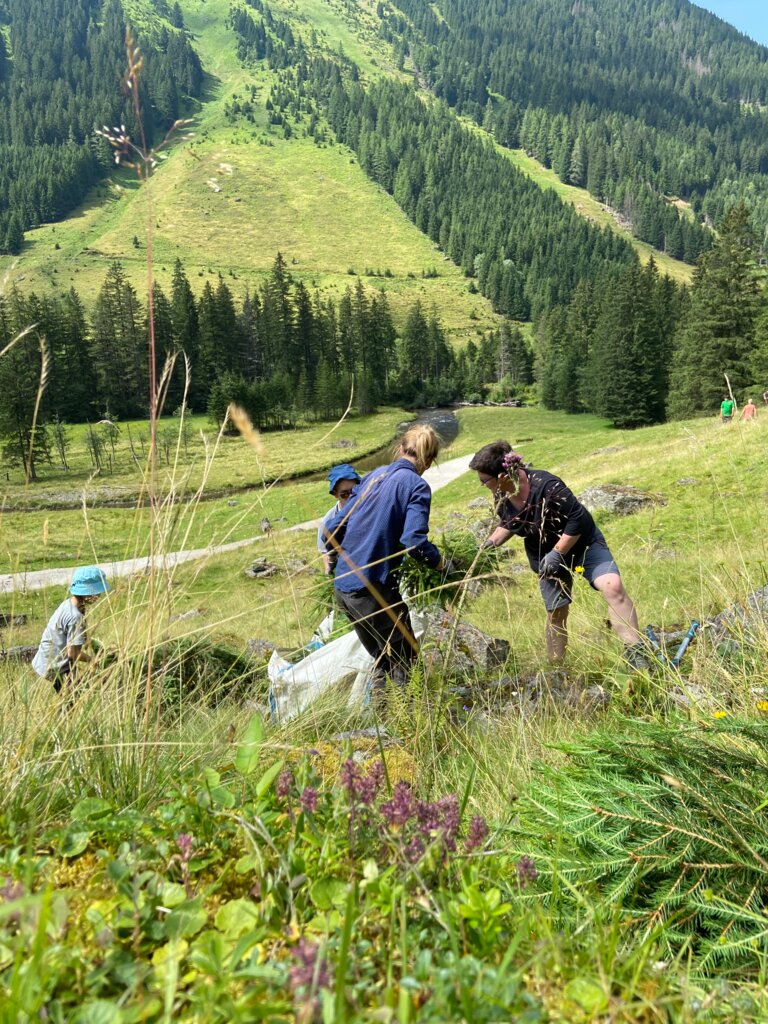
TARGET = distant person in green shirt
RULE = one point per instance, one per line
(726, 409)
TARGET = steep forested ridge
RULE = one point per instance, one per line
(61, 82)
(635, 99)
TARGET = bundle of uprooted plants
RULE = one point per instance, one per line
(667, 820)
(471, 562)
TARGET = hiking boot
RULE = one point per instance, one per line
(636, 657)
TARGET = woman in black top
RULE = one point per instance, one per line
(559, 535)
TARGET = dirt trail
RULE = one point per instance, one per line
(437, 477)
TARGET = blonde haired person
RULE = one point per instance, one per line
(387, 515)
(749, 412)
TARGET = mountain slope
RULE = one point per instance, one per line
(237, 192)
(275, 193)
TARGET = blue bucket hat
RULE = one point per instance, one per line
(88, 581)
(342, 472)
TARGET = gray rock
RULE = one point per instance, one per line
(687, 481)
(478, 503)
(193, 613)
(343, 443)
(23, 652)
(7, 620)
(619, 499)
(261, 569)
(262, 650)
(232, 503)
(458, 648)
(746, 621)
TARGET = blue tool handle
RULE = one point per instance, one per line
(684, 645)
(652, 637)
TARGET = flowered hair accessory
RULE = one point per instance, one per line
(511, 462)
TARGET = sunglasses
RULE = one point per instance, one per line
(345, 494)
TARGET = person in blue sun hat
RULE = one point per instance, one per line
(64, 638)
(341, 480)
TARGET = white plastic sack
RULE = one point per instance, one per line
(294, 686)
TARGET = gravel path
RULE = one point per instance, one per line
(437, 477)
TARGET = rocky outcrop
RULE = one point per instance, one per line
(456, 647)
(619, 499)
(747, 620)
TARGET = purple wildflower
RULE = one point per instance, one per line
(9, 892)
(377, 774)
(308, 799)
(477, 834)
(414, 850)
(184, 843)
(284, 783)
(400, 808)
(449, 808)
(349, 776)
(310, 969)
(526, 872)
(428, 816)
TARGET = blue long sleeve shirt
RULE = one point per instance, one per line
(386, 516)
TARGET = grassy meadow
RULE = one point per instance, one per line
(170, 854)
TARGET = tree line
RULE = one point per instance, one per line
(629, 99)
(282, 351)
(639, 349)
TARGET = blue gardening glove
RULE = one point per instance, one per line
(551, 565)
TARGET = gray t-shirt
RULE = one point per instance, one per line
(66, 628)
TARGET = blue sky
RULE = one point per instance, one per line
(748, 16)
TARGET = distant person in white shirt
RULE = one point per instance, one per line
(64, 638)
(342, 480)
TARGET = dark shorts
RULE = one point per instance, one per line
(596, 561)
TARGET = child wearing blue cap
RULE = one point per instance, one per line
(342, 480)
(64, 638)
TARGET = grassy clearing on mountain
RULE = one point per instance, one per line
(170, 863)
(237, 193)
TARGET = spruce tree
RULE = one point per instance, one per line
(717, 336)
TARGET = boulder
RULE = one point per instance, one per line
(459, 648)
(262, 650)
(747, 620)
(619, 499)
(21, 653)
(261, 569)
(7, 620)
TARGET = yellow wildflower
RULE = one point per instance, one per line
(720, 714)
(579, 569)
(762, 705)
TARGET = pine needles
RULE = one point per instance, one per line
(664, 819)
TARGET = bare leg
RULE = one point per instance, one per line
(557, 634)
(621, 610)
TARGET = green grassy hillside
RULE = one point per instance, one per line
(227, 199)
